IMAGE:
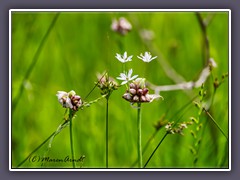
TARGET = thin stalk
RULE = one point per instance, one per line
(146, 146)
(107, 133)
(53, 134)
(213, 120)
(71, 139)
(161, 142)
(203, 27)
(180, 110)
(35, 150)
(33, 63)
(139, 136)
(155, 149)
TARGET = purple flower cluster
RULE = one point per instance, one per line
(137, 94)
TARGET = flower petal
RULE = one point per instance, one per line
(134, 77)
(130, 73)
(68, 103)
(125, 55)
(124, 82)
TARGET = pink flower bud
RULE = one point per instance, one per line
(132, 86)
(133, 91)
(135, 98)
(145, 91)
(127, 96)
(140, 92)
(143, 98)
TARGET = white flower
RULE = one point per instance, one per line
(151, 97)
(126, 77)
(183, 125)
(123, 58)
(147, 57)
(64, 100)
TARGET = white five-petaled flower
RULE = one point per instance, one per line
(126, 77)
(123, 58)
(64, 99)
(147, 57)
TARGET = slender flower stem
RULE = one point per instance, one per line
(107, 133)
(71, 138)
(139, 136)
(146, 145)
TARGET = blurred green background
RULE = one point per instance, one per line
(81, 44)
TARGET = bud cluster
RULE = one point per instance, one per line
(121, 26)
(76, 102)
(106, 84)
(137, 94)
(69, 100)
(179, 129)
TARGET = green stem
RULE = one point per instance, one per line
(107, 133)
(71, 139)
(215, 123)
(146, 146)
(183, 108)
(139, 136)
(155, 149)
(52, 135)
(33, 63)
(35, 150)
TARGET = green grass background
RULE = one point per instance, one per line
(82, 44)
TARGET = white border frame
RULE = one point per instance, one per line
(118, 10)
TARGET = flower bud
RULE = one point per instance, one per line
(140, 82)
(135, 98)
(121, 26)
(132, 91)
(148, 99)
(127, 96)
(132, 86)
(143, 98)
(76, 98)
(71, 93)
(145, 91)
(140, 92)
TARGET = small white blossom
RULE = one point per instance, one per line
(168, 126)
(183, 125)
(126, 77)
(64, 100)
(152, 97)
(147, 57)
(123, 58)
